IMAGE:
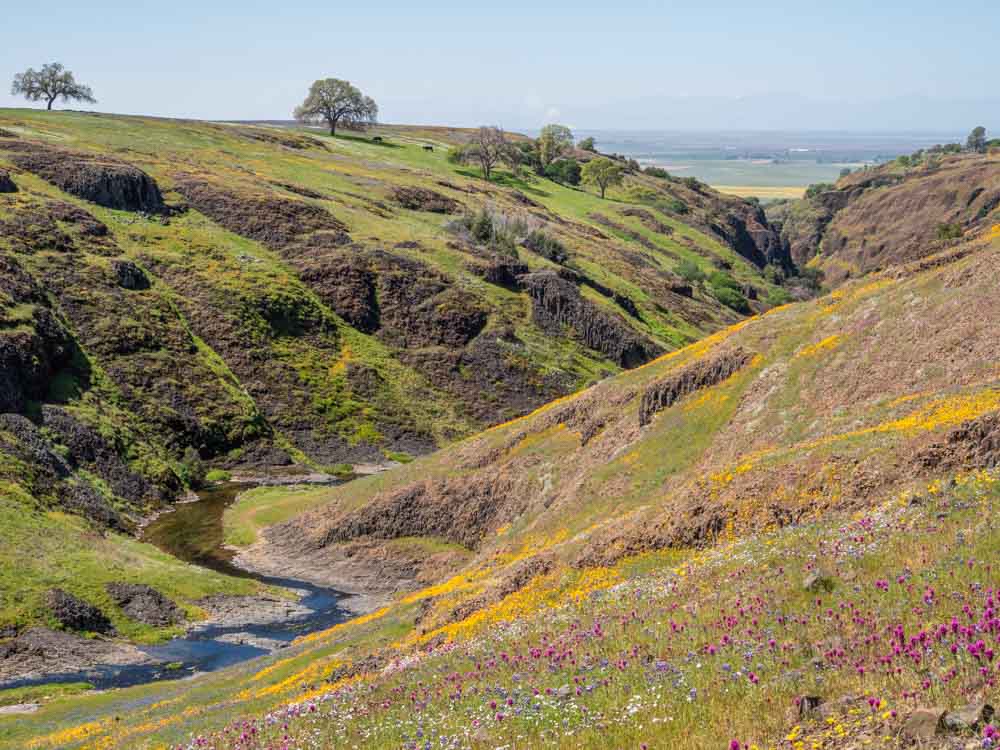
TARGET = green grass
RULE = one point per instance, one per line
(65, 552)
(266, 506)
(42, 693)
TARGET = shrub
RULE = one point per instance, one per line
(774, 274)
(548, 247)
(657, 172)
(949, 231)
(690, 271)
(820, 187)
(723, 280)
(564, 171)
(693, 183)
(191, 470)
(778, 297)
(529, 156)
(731, 299)
(587, 144)
(812, 278)
(218, 475)
(673, 205)
(456, 155)
(501, 233)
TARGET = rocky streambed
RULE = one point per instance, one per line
(237, 628)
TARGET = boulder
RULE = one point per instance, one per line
(74, 613)
(817, 581)
(924, 724)
(808, 705)
(6, 183)
(129, 275)
(107, 182)
(969, 718)
(145, 604)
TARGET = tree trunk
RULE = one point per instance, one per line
(51, 99)
(603, 188)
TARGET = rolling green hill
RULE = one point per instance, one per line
(673, 557)
(178, 294)
(651, 521)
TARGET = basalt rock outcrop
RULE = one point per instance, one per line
(130, 276)
(265, 217)
(701, 374)
(461, 510)
(888, 216)
(34, 345)
(557, 303)
(74, 613)
(103, 180)
(7, 184)
(745, 228)
(423, 199)
(145, 604)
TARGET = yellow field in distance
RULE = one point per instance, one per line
(764, 192)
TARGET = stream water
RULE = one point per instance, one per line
(193, 532)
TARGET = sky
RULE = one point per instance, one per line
(631, 64)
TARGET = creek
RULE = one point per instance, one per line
(193, 532)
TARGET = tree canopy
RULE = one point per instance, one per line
(52, 82)
(587, 144)
(554, 142)
(602, 172)
(977, 140)
(490, 147)
(337, 103)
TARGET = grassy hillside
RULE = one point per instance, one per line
(802, 504)
(175, 294)
(879, 217)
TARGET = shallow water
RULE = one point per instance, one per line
(193, 532)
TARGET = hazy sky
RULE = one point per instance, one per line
(627, 64)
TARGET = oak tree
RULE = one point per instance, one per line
(52, 82)
(602, 172)
(337, 103)
(554, 142)
(490, 147)
(977, 140)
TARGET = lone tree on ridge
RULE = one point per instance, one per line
(52, 82)
(977, 140)
(337, 102)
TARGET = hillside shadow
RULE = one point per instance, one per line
(505, 179)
